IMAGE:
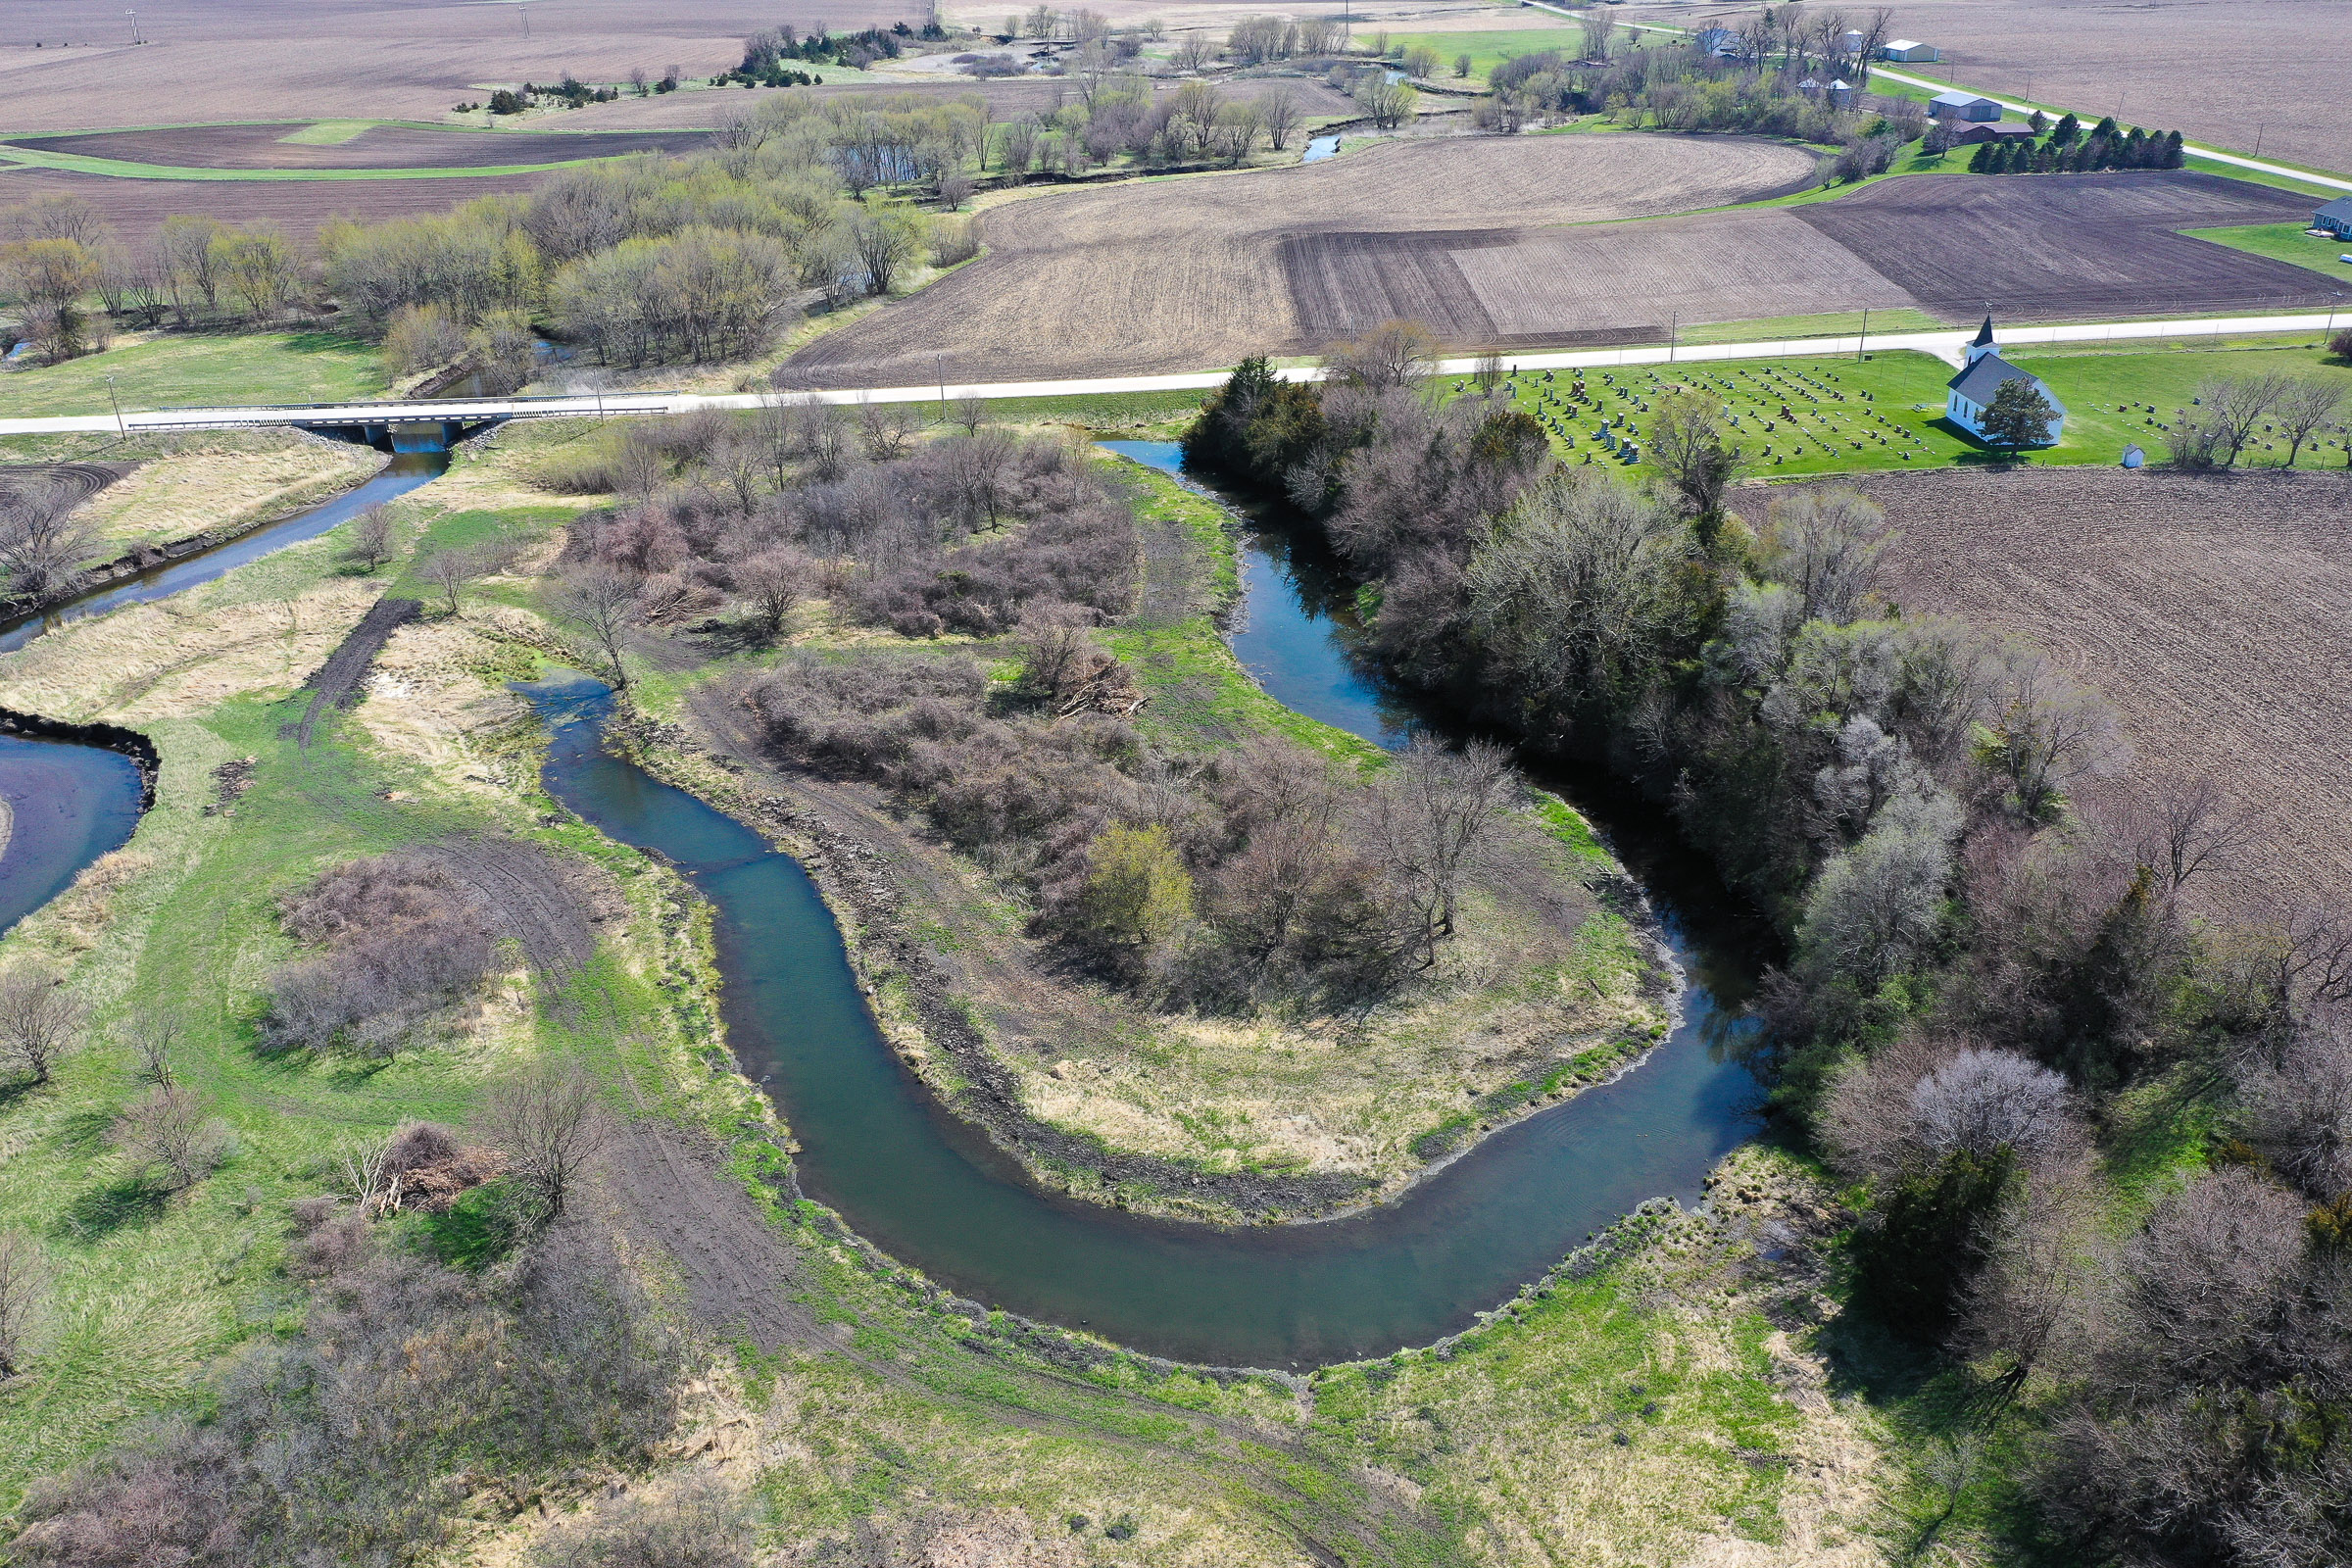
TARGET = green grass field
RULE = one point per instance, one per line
(1850, 414)
(201, 368)
(2288, 242)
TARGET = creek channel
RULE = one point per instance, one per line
(929, 1189)
(64, 802)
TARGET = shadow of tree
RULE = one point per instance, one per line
(83, 1131)
(130, 1200)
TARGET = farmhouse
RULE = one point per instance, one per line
(1970, 392)
(2336, 218)
(1962, 106)
(1908, 49)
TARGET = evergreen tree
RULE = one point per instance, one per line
(2068, 129)
(2173, 156)
(2019, 416)
(1982, 159)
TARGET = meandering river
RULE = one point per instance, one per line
(929, 1189)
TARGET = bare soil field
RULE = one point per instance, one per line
(377, 147)
(221, 60)
(2056, 245)
(295, 206)
(1581, 284)
(1175, 274)
(2210, 610)
(2226, 73)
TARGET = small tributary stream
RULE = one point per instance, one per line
(931, 1189)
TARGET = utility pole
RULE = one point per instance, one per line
(2259, 127)
(939, 363)
(1674, 332)
(526, 20)
(120, 427)
(1859, 342)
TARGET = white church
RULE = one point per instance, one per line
(1970, 393)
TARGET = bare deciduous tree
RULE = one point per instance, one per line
(451, 571)
(971, 413)
(600, 606)
(2044, 733)
(887, 428)
(548, 1122)
(1826, 545)
(372, 538)
(1280, 111)
(2307, 405)
(153, 1033)
(23, 1286)
(1394, 354)
(1435, 815)
(39, 1020)
(168, 1130)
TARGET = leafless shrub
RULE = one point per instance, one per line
(337, 1445)
(40, 1021)
(1918, 1100)
(168, 1131)
(696, 1524)
(2296, 1109)
(42, 545)
(888, 429)
(547, 1122)
(402, 940)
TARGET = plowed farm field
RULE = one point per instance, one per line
(377, 147)
(1179, 274)
(2210, 610)
(1510, 244)
(2060, 245)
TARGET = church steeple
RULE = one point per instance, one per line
(1983, 344)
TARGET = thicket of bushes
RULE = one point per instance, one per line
(1987, 953)
(401, 942)
(346, 1443)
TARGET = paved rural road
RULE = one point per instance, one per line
(2236, 159)
(1944, 345)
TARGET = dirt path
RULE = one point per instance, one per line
(550, 910)
(337, 683)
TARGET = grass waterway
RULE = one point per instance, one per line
(929, 1189)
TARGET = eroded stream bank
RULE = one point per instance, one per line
(932, 1191)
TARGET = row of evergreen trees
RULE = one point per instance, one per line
(2067, 151)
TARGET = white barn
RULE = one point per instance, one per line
(1968, 394)
(1908, 49)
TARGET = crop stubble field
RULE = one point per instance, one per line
(1509, 243)
(1166, 276)
(2209, 610)
(2226, 73)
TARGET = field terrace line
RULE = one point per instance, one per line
(1949, 346)
(1879, 69)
